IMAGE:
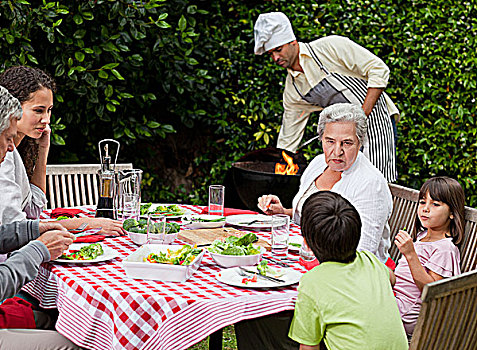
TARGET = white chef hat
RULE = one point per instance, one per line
(271, 30)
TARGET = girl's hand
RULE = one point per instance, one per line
(44, 140)
(404, 243)
(109, 227)
(270, 204)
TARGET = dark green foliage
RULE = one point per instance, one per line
(141, 70)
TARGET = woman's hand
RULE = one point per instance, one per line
(404, 243)
(270, 204)
(44, 140)
(109, 227)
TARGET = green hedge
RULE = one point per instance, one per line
(178, 82)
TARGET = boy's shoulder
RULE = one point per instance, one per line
(364, 262)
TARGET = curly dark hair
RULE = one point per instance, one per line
(22, 82)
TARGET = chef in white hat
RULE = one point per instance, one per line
(329, 70)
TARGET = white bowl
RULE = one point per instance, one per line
(188, 221)
(141, 238)
(136, 268)
(237, 260)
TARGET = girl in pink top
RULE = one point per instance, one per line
(431, 253)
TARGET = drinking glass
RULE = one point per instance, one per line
(306, 254)
(129, 206)
(280, 234)
(156, 228)
(130, 181)
(216, 200)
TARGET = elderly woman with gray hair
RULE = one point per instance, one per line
(343, 169)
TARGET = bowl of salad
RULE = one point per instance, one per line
(236, 251)
(174, 263)
(137, 231)
(203, 221)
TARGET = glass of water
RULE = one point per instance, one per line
(306, 253)
(216, 200)
(280, 234)
(129, 206)
(156, 228)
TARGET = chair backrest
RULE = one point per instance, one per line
(405, 202)
(403, 215)
(448, 316)
(69, 185)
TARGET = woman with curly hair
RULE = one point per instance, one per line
(23, 173)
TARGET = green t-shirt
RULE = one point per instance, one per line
(351, 306)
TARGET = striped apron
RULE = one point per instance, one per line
(338, 88)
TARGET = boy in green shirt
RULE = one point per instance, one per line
(347, 300)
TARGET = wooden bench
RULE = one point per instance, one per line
(448, 317)
(405, 201)
(69, 185)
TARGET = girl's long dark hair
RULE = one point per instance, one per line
(21, 82)
(450, 192)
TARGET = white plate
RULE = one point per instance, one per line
(246, 220)
(297, 240)
(232, 277)
(155, 205)
(188, 221)
(109, 253)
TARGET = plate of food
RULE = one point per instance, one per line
(203, 221)
(137, 231)
(250, 220)
(261, 276)
(170, 211)
(87, 253)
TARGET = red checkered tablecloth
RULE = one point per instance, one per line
(100, 307)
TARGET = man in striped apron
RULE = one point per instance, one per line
(330, 70)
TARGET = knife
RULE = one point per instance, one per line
(256, 222)
(276, 262)
(273, 279)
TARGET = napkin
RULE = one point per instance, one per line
(390, 263)
(16, 313)
(89, 239)
(71, 213)
(309, 264)
(231, 211)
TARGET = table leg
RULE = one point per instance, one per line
(215, 340)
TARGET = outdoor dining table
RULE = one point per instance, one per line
(100, 307)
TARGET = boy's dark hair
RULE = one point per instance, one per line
(446, 190)
(331, 227)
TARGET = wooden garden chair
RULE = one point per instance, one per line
(69, 185)
(448, 317)
(403, 216)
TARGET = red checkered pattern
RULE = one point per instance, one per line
(102, 308)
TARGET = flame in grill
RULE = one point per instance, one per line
(286, 169)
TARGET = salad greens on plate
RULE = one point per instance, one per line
(166, 210)
(236, 245)
(88, 252)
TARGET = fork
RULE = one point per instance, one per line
(246, 273)
(79, 229)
